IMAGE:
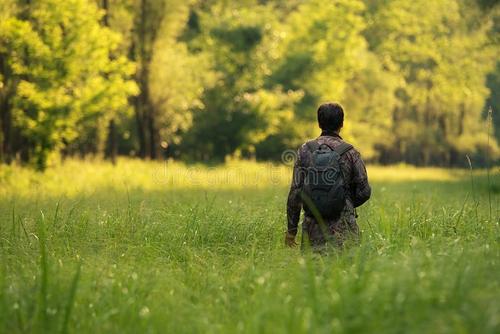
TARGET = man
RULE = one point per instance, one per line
(327, 231)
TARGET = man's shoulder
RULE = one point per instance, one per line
(350, 153)
(309, 145)
(312, 144)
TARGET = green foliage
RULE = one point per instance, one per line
(370, 104)
(318, 56)
(57, 58)
(321, 49)
(493, 101)
(442, 58)
(177, 78)
(412, 79)
(220, 78)
(244, 111)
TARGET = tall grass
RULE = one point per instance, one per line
(490, 123)
(128, 249)
(43, 275)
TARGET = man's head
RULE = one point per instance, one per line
(330, 116)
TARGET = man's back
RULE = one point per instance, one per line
(358, 191)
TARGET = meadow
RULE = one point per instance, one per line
(150, 247)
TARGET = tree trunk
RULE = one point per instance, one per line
(147, 25)
(138, 104)
(105, 18)
(112, 150)
(142, 111)
(141, 107)
(6, 132)
(442, 125)
(141, 133)
(5, 116)
(112, 143)
(461, 118)
(154, 137)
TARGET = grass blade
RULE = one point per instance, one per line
(42, 297)
(71, 298)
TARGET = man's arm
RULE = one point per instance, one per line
(294, 202)
(361, 188)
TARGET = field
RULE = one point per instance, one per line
(148, 247)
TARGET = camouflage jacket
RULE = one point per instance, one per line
(358, 191)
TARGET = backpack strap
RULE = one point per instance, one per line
(342, 148)
(313, 145)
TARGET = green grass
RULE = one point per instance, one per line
(145, 247)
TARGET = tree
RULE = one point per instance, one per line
(442, 60)
(321, 52)
(57, 67)
(321, 49)
(177, 80)
(238, 111)
(212, 78)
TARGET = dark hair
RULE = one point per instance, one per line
(330, 116)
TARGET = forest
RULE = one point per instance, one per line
(144, 166)
(204, 80)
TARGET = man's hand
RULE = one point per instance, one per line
(290, 240)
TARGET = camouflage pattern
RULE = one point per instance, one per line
(336, 231)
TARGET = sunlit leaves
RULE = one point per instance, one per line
(59, 56)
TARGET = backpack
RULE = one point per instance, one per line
(324, 185)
